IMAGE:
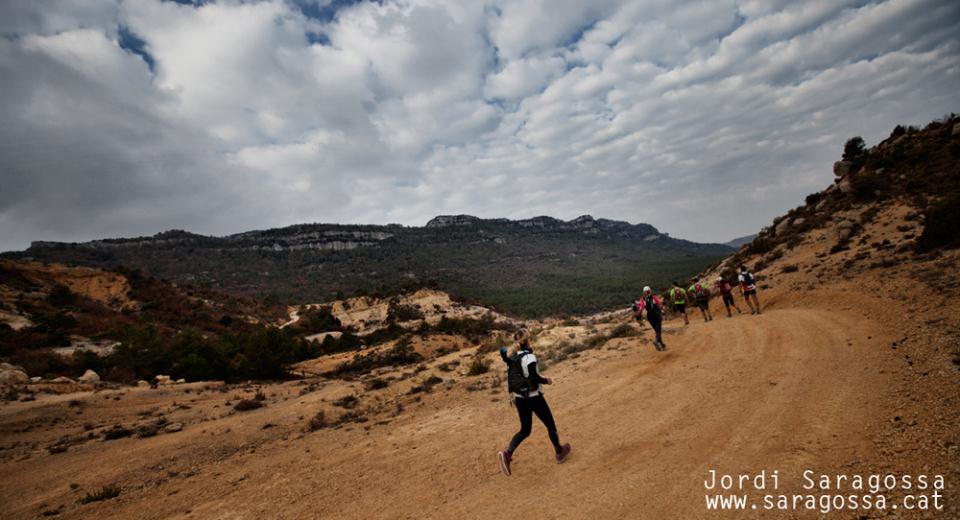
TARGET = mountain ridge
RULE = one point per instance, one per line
(536, 266)
(545, 222)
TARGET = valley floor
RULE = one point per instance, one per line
(827, 381)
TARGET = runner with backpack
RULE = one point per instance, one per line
(524, 383)
(725, 290)
(748, 286)
(654, 307)
(701, 296)
(679, 299)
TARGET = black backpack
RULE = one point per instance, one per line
(748, 278)
(652, 308)
(517, 383)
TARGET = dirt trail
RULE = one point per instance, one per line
(793, 389)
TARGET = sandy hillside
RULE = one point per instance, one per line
(96, 284)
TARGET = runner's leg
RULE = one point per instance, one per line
(542, 410)
(525, 411)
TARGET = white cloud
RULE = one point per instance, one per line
(705, 119)
(523, 77)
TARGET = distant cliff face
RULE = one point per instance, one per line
(531, 266)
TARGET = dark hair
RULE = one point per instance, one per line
(675, 283)
(743, 268)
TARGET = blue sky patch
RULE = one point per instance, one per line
(130, 42)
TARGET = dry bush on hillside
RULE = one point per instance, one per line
(478, 365)
(105, 493)
(624, 330)
(348, 401)
(116, 432)
(318, 421)
(401, 353)
(375, 384)
(245, 405)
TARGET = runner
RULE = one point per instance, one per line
(679, 299)
(725, 290)
(748, 286)
(524, 383)
(701, 296)
(654, 307)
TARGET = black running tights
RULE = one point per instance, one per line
(657, 325)
(526, 407)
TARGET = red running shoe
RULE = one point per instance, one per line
(504, 457)
(564, 452)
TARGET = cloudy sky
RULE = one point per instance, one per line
(705, 119)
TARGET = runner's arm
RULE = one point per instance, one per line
(535, 376)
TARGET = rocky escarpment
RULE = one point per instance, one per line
(531, 266)
(335, 237)
(583, 223)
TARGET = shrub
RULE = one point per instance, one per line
(250, 353)
(866, 187)
(150, 429)
(348, 401)
(61, 296)
(473, 328)
(941, 225)
(117, 432)
(760, 245)
(789, 269)
(345, 343)
(318, 319)
(317, 422)
(813, 198)
(375, 384)
(564, 350)
(596, 340)
(624, 330)
(478, 365)
(570, 322)
(105, 493)
(401, 353)
(854, 149)
(401, 313)
(245, 405)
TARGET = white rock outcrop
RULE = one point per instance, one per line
(89, 377)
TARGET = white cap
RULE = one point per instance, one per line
(719, 278)
(646, 289)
